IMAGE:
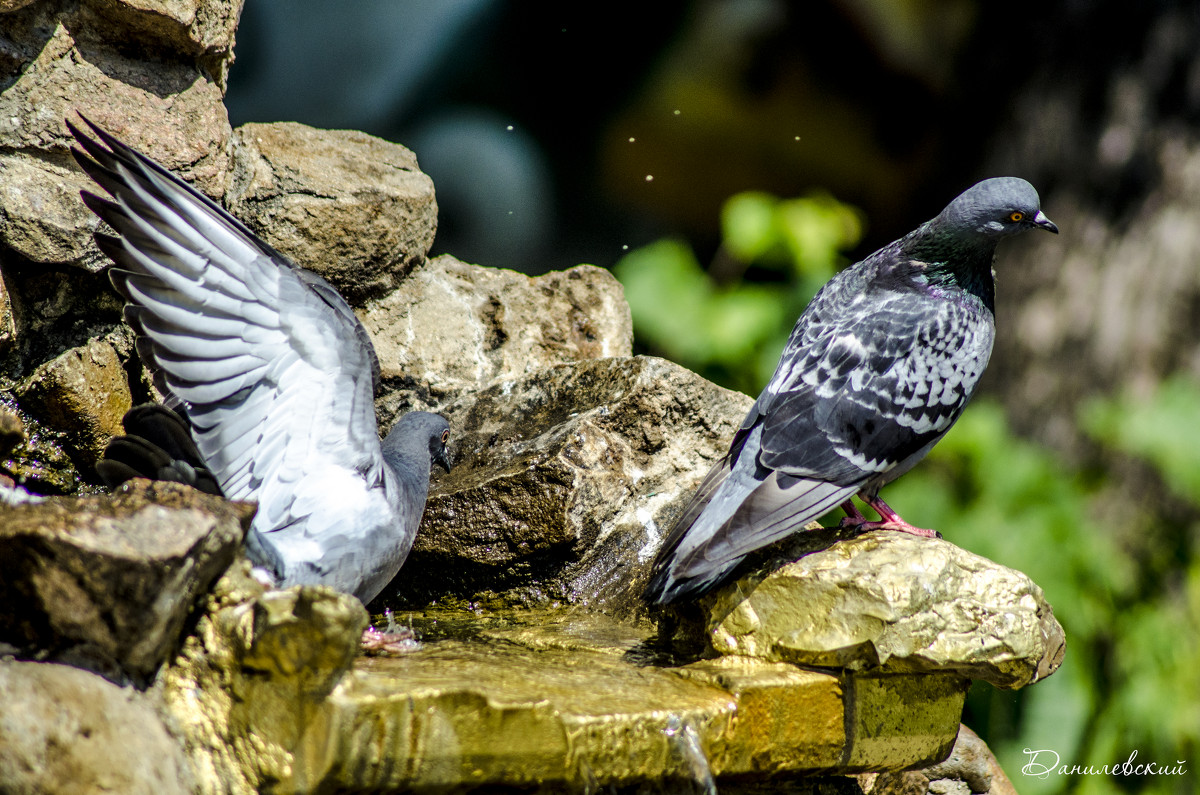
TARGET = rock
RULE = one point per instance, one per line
(565, 479)
(83, 392)
(37, 459)
(169, 110)
(42, 218)
(892, 602)
(64, 60)
(524, 699)
(969, 762)
(354, 208)
(451, 327)
(200, 28)
(12, 432)
(106, 582)
(8, 323)
(252, 688)
(971, 769)
(56, 308)
(67, 730)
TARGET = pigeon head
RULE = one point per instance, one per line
(995, 208)
(420, 433)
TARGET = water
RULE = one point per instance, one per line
(685, 745)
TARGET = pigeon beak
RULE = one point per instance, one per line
(442, 459)
(1042, 222)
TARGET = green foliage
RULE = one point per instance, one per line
(1164, 430)
(733, 333)
(1130, 606)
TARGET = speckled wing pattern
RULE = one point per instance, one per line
(875, 371)
(871, 376)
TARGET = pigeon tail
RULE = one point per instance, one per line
(750, 508)
(157, 445)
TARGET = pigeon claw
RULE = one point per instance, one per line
(905, 527)
(891, 520)
(379, 642)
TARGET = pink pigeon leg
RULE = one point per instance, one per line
(854, 517)
(891, 519)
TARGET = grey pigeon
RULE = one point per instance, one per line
(276, 376)
(878, 367)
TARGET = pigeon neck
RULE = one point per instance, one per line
(962, 262)
(407, 454)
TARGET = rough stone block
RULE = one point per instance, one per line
(63, 729)
(83, 392)
(106, 582)
(565, 480)
(354, 208)
(547, 699)
(452, 327)
(892, 602)
(41, 216)
(61, 59)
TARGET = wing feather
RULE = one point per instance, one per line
(276, 371)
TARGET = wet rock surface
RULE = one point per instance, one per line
(526, 699)
(107, 582)
(84, 392)
(12, 431)
(565, 482)
(892, 602)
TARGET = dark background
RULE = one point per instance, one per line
(896, 106)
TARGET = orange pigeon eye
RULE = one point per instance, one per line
(445, 436)
(1016, 215)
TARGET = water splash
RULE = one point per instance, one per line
(684, 742)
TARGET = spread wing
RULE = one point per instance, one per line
(276, 371)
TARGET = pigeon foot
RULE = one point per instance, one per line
(891, 520)
(377, 642)
(392, 639)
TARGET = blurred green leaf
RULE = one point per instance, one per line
(1164, 429)
(668, 293)
(815, 229)
(733, 333)
(748, 225)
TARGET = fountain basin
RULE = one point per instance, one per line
(558, 700)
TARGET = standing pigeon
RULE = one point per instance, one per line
(877, 369)
(276, 376)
